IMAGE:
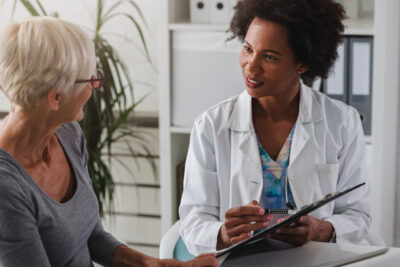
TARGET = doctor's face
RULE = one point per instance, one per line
(268, 63)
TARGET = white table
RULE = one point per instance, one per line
(390, 258)
(313, 254)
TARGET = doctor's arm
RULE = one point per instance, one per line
(351, 217)
(199, 208)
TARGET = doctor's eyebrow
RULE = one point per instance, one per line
(265, 50)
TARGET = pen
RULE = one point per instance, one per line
(279, 211)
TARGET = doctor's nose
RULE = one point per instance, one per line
(253, 64)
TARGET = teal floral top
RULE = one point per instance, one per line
(274, 177)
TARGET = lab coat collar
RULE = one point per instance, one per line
(310, 109)
(241, 117)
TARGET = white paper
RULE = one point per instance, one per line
(335, 82)
(361, 68)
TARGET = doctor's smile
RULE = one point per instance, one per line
(253, 83)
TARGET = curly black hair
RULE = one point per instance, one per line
(314, 27)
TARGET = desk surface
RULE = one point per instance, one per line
(311, 254)
(390, 258)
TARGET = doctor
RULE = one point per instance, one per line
(279, 144)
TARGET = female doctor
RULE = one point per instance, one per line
(279, 144)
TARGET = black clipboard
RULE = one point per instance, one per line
(304, 211)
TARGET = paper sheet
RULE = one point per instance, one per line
(335, 82)
(361, 68)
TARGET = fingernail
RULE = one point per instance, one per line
(261, 211)
(265, 224)
(249, 234)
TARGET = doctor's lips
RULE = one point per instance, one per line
(253, 83)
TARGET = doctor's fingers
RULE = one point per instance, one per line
(253, 203)
(245, 228)
(293, 231)
(244, 210)
(233, 221)
(290, 239)
(237, 239)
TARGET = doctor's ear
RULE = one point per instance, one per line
(302, 69)
(54, 99)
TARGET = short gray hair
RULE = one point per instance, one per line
(42, 53)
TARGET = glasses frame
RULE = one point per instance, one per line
(98, 78)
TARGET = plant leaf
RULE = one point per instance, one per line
(31, 9)
(41, 7)
(137, 26)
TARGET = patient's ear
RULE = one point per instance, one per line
(54, 99)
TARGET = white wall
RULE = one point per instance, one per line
(385, 116)
(82, 12)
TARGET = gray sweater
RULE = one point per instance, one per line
(37, 231)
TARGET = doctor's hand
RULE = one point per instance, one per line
(307, 228)
(240, 222)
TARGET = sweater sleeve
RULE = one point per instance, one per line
(20, 242)
(102, 245)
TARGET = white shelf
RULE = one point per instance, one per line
(181, 130)
(361, 26)
(187, 26)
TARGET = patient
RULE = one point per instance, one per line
(48, 210)
(279, 144)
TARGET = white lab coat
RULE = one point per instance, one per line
(223, 168)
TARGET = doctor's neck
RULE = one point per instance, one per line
(278, 107)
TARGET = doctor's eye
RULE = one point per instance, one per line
(248, 49)
(270, 57)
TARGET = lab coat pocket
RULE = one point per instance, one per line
(328, 176)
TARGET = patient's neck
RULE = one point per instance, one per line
(26, 134)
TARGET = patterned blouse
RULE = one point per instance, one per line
(274, 177)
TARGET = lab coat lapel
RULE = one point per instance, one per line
(310, 112)
(241, 125)
(250, 152)
(300, 139)
(301, 175)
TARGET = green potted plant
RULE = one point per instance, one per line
(107, 111)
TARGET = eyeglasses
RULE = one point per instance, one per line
(96, 81)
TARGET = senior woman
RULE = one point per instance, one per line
(48, 210)
(279, 144)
